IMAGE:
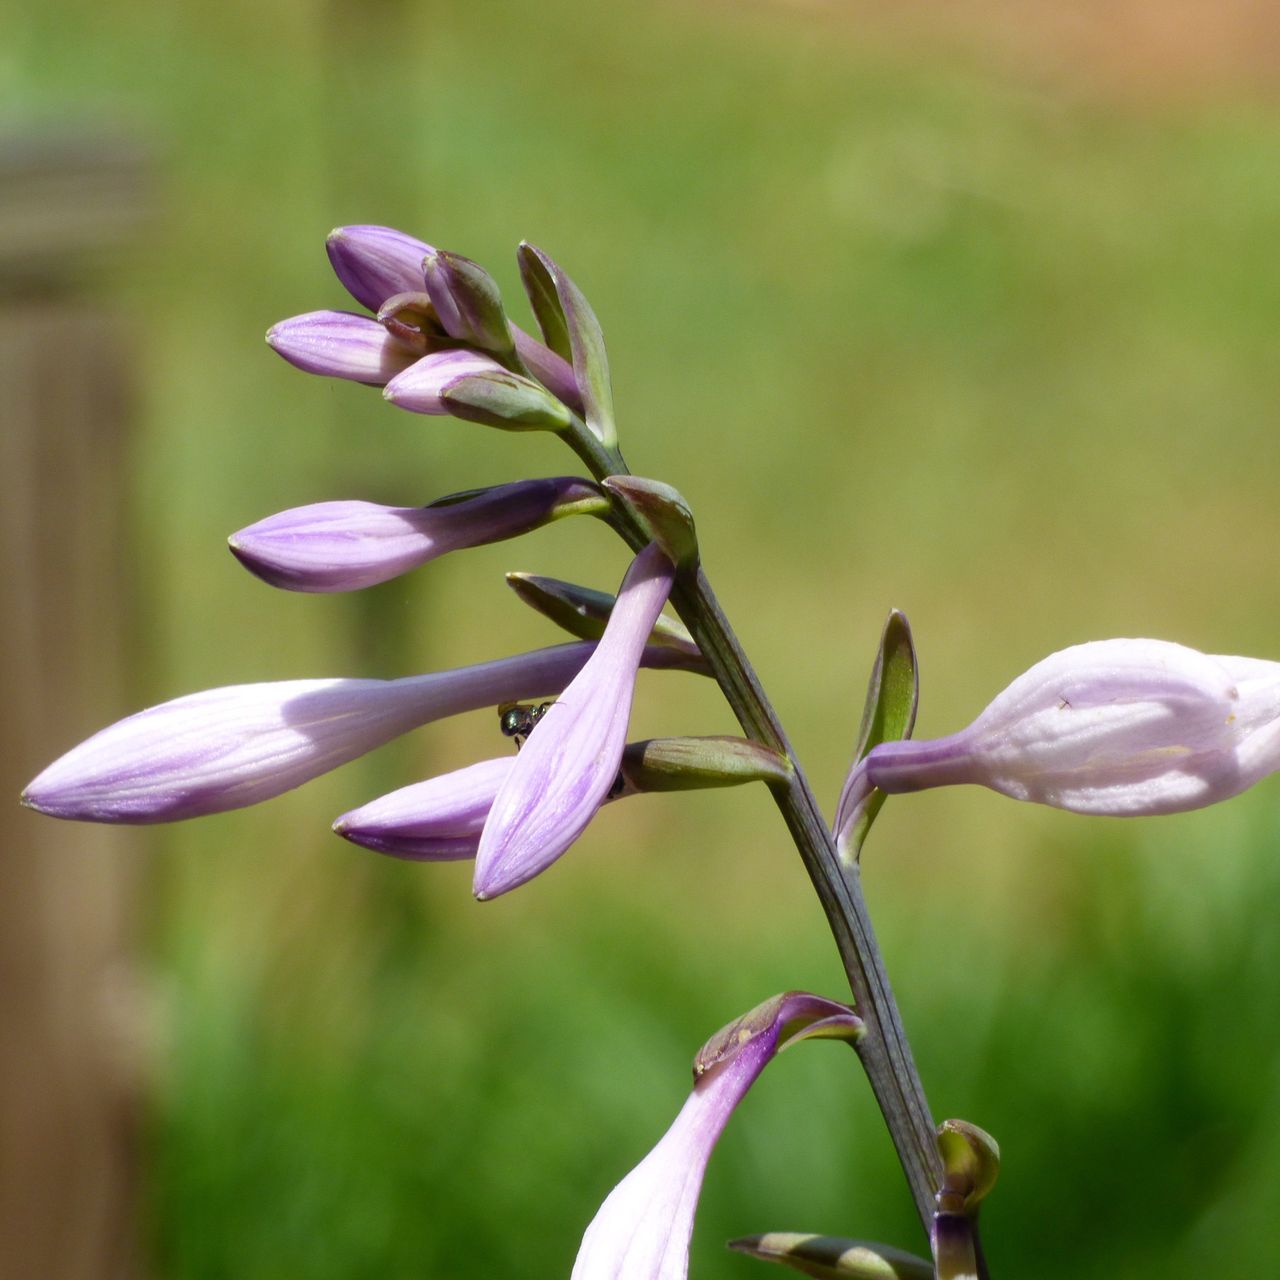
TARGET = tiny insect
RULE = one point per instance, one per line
(517, 720)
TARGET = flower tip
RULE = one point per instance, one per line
(273, 337)
(336, 234)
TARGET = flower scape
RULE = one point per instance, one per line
(1114, 727)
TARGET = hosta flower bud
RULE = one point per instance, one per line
(642, 1230)
(374, 263)
(438, 820)
(1118, 727)
(568, 766)
(226, 748)
(553, 371)
(472, 386)
(344, 546)
(441, 819)
(339, 344)
(467, 300)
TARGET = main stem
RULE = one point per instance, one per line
(885, 1053)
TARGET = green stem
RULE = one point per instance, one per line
(884, 1051)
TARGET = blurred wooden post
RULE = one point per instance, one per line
(70, 1057)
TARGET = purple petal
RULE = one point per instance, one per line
(642, 1230)
(344, 546)
(420, 386)
(339, 344)
(553, 371)
(439, 820)
(568, 766)
(226, 748)
(375, 262)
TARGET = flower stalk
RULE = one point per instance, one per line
(884, 1051)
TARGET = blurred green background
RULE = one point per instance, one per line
(915, 315)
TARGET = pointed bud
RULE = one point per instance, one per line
(227, 748)
(571, 330)
(888, 715)
(642, 1230)
(664, 514)
(467, 300)
(584, 613)
(338, 344)
(568, 767)
(345, 546)
(693, 764)
(505, 400)
(468, 385)
(374, 263)
(420, 388)
(555, 373)
(1117, 727)
(439, 820)
(831, 1258)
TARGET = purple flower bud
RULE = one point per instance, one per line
(420, 387)
(344, 546)
(231, 747)
(642, 1230)
(468, 385)
(553, 371)
(375, 262)
(1116, 727)
(567, 767)
(340, 344)
(467, 300)
(439, 820)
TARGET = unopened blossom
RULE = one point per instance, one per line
(643, 1229)
(344, 546)
(375, 263)
(1117, 727)
(230, 747)
(470, 385)
(338, 344)
(565, 771)
(438, 820)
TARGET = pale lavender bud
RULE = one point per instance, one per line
(1116, 727)
(375, 262)
(439, 820)
(421, 386)
(340, 344)
(231, 747)
(568, 766)
(553, 371)
(468, 385)
(643, 1229)
(344, 546)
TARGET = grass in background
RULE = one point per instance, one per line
(906, 332)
